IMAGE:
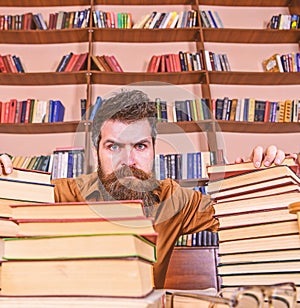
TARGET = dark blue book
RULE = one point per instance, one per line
(63, 62)
(18, 64)
(58, 111)
(164, 111)
(95, 108)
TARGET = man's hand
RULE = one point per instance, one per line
(6, 166)
(266, 157)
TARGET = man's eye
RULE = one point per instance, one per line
(114, 147)
(140, 146)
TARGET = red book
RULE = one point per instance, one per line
(116, 63)
(176, 60)
(111, 63)
(104, 63)
(12, 110)
(157, 64)
(267, 111)
(27, 111)
(4, 112)
(6, 64)
(72, 62)
(80, 62)
(151, 64)
(3, 68)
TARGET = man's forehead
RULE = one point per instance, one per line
(126, 132)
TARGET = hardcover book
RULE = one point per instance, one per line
(125, 277)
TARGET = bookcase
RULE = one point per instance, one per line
(244, 37)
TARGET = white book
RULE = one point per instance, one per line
(166, 20)
(207, 60)
(218, 19)
(155, 19)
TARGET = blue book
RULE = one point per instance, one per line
(57, 112)
(95, 108)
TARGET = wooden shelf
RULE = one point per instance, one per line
(36, 3)
(184, 127)
(251, 36)
(258, 127)
(44, 128)
(246, 2)
(254, 78)
(44, 78)
(43, 36)
(114, 78)
(146, 35)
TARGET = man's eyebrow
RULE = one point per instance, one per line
(145, 140)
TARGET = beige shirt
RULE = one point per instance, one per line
(180, 211)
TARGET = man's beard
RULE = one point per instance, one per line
(140, 186)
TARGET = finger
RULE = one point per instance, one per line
(6, 164)
(239, 160)
(257, 156)
(273, 155)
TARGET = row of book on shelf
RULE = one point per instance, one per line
(172, 62)
(259, 239)
(183, 166)
(11, 64)
(283, 63)
(202, 238)
(92, 242)
(284, 22)
(106, 19)
(256, 110)
(63, 162)
(31, 111)
(56, 21)
(176, 62)
(246, 109)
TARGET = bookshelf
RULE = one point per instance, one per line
(89, 83)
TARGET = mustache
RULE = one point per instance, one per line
(130, 171)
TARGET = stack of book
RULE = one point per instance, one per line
(259, 239)
(99, 249)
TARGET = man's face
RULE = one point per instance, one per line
(126, 144)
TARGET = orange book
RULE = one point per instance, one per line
(3, 68)
(12, 110)
(151, 64)
(72, 62)
(80, 63)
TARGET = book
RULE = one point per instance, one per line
(155, 299)
(125, 277)
(255, 187)
(8, 228)
(255, 217)
(260, 256)
(285, 266)
(95, 108)
(261, 279)
(261, 203)
(280, 242)
(28, 175)
(260, 230)
(77, 210)
(216, 172)
(45, 227)
(27, 191)
(77, 247)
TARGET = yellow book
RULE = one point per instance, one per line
(251, 110)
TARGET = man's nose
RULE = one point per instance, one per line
(128, 157)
